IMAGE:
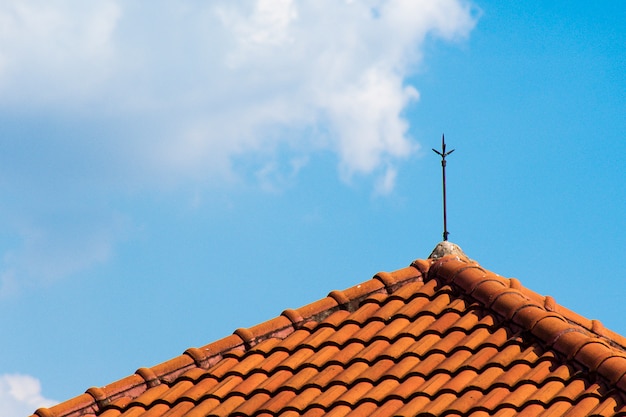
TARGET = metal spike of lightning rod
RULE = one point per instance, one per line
(443, 155)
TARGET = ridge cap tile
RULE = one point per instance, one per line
(170, 370)
(340, 298)
(83, 404)
(364, 289)
(393, 280)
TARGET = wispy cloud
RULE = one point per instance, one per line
(100, 99)
(20, 395)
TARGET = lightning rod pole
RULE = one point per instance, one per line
(443, 155)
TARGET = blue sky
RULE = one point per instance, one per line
(172, 174)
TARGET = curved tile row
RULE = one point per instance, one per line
(427, 396)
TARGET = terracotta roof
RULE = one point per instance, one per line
(442, 337)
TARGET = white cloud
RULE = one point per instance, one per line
(20, 395)
(102, 97)
(365, 116)
(217, 80)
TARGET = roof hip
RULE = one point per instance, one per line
(507, 298)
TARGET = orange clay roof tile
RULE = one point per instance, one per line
(441, 337)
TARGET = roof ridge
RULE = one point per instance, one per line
(583, 340)
(95, 399)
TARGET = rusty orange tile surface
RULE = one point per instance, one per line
(441, 337)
